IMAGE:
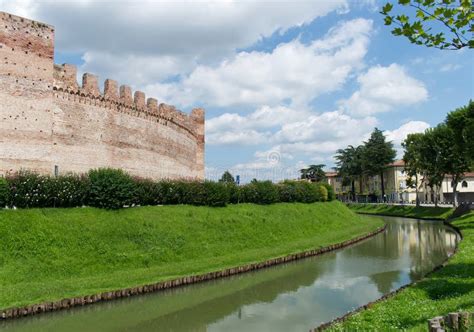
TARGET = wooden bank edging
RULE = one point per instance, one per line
(17, 312)
(387, 296)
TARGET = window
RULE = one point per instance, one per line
(56, 170)
(464, 184)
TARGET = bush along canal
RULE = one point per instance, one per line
(292, 296)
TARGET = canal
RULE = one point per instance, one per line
(296, 296)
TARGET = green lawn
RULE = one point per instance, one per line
(50, 254)
(422, 212)
(447, 290)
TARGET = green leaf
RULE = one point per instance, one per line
(397, 31)
(403, 19)
(404, 2)
(420, 14)
(387, 8)
(438, 11)
(388, 20)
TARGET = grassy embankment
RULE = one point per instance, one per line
(50, 254)
(422, 212)
(449, 289)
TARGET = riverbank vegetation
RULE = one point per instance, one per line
(420, 212)
(114, 189)
(450, 289)
(50, 254)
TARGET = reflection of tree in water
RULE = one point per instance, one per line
(385, 280)
(434, 243)
(197, 317)
(425, 244)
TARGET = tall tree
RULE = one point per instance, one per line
(412, 158)
(459, 144)
(227, 177)
(461, 121)
(314, 173)
(349, 165)
(434, 156)
(378, 153)
(443, 24)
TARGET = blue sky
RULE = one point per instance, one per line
(284, 84)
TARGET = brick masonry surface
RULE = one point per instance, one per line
(49, 121)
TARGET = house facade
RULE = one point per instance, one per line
(396, 188)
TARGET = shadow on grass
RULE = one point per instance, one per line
(451, 282)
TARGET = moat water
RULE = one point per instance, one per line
(296, 296)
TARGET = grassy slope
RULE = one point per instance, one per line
(422, 212)
(450, 289)
(49, 254)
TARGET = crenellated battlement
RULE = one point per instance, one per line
(120, 99)
(52, 123)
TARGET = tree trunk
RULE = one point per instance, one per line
(353, 190)
(435, 196)
(382, 186)
(455, 192)
(417, 199)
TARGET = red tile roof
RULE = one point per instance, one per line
(331, 174)
(397, 163)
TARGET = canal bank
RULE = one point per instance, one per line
(60, 258)
(449, 288)
(297, 295)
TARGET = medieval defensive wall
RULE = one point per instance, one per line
(52, 125)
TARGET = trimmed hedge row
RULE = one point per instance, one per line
(114, 189)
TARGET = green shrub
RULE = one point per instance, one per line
(323, 193)
(148, 192)
(111, 188)
(330, 189)
(298, 191)
(67, 190)
(28, 189)
(192, 193)
(288, 191)
(234, 193)
(168, 192)
(216, 193)
(309, 192)
(4, 192)
(260, 192)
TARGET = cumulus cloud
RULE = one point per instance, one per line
(149, 31)
(397, 136)
(293, 71)
(384, 88)
(251, 129)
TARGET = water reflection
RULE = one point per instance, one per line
(295, 296)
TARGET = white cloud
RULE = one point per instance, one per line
(327, 128)
(132, 69)
(254, 128)
(450, 67)
(150, 38)
(293, 72)
(397, 136)
(384, 88)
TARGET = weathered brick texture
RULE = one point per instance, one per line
(49, 120)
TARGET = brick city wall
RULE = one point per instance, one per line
(49, 121)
